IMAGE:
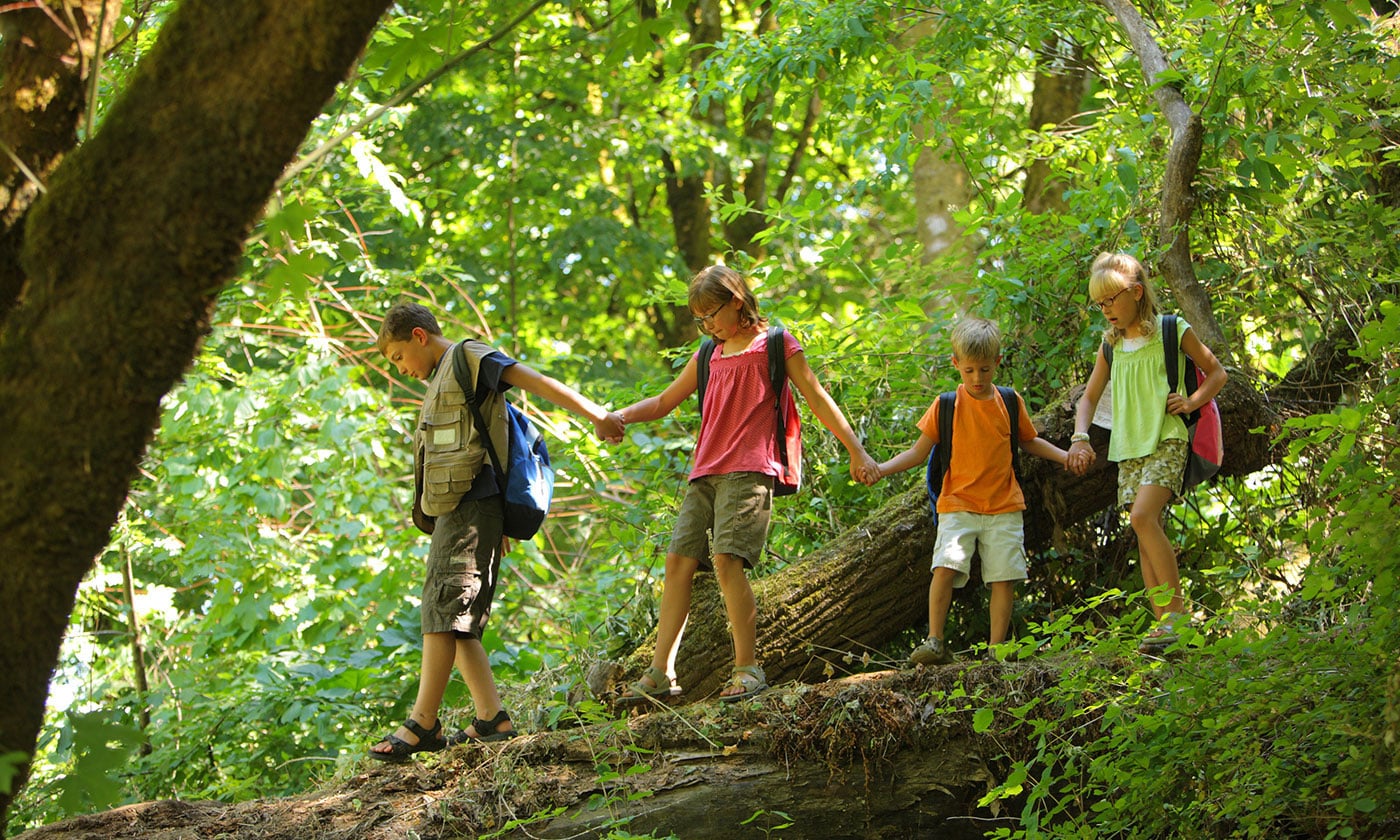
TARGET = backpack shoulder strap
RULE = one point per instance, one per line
(1170, 349)
(777, 360)
(947, 405)
(1013, 410)
(777, 378)
(461, 369)
(1108, 356)
(702, 369)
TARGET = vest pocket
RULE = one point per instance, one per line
(445, 485)
(444, 431)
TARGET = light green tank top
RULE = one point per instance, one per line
(1140, 418)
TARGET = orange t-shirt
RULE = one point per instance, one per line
(980, 479)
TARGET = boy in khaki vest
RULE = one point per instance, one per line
(458, 500)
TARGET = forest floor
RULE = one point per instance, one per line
(888, 754)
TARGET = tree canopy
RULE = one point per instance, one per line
(205, 209)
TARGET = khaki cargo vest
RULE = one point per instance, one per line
(447, 447)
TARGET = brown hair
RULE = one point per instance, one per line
(402, 319)
(716, 285)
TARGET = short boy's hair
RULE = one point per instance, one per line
(402, 319)
(976, 339)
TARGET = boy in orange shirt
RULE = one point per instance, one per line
(980, 504)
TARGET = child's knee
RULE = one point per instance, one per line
(729, 565)
(680, 566)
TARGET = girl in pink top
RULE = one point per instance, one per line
(730, 494)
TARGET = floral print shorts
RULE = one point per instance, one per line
(1162, 468)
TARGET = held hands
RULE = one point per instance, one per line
(610, 427)
(1080, 457)
(864, 468)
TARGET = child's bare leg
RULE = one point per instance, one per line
(475, 666)
(675, 608)
(1002, 598)
(940, 598)
(741, 608)
(439, 651)
(1158, 558)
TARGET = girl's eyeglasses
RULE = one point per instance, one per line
(705, 319)
(1103, 305)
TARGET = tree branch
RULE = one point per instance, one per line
(1178, 184)
(404, 95)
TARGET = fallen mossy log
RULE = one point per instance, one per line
(887, 754)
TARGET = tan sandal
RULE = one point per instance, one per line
(639, 692)
(748, 677)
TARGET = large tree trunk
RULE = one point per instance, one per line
(120, 264)
(869, 584)
(1178, 183)
(1059, 88)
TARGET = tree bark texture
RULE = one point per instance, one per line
(45, 70)
(941, 182)
(1178, 183)
(870, 584)
(121, 261)
(1059, 89)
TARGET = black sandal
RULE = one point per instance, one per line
(429, 740)
(486, 731)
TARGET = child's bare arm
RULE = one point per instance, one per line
(654, 408)
(1081, 454)
(863, 467)
(912, 457)
(1042, 448)
(1209, 365)
(606, 425)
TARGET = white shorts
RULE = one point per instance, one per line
(998, 538)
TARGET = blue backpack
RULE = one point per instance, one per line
(528, 479)
(942, 454)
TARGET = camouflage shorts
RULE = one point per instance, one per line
(1162, 468)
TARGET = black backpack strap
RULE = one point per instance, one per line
(777, 379)
(1108, 356)
(462, 370)
(1013, 411)
(1169, 349)
(947, 405)
(702, 369)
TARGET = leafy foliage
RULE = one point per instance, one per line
(525, 196)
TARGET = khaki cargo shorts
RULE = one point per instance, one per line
(724, 514)
(464, 562)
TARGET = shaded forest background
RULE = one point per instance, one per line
(547, 177)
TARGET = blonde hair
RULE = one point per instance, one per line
(1110, 274)
(976, 340)
(716, 285)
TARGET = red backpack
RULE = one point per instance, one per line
(1206, 443)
